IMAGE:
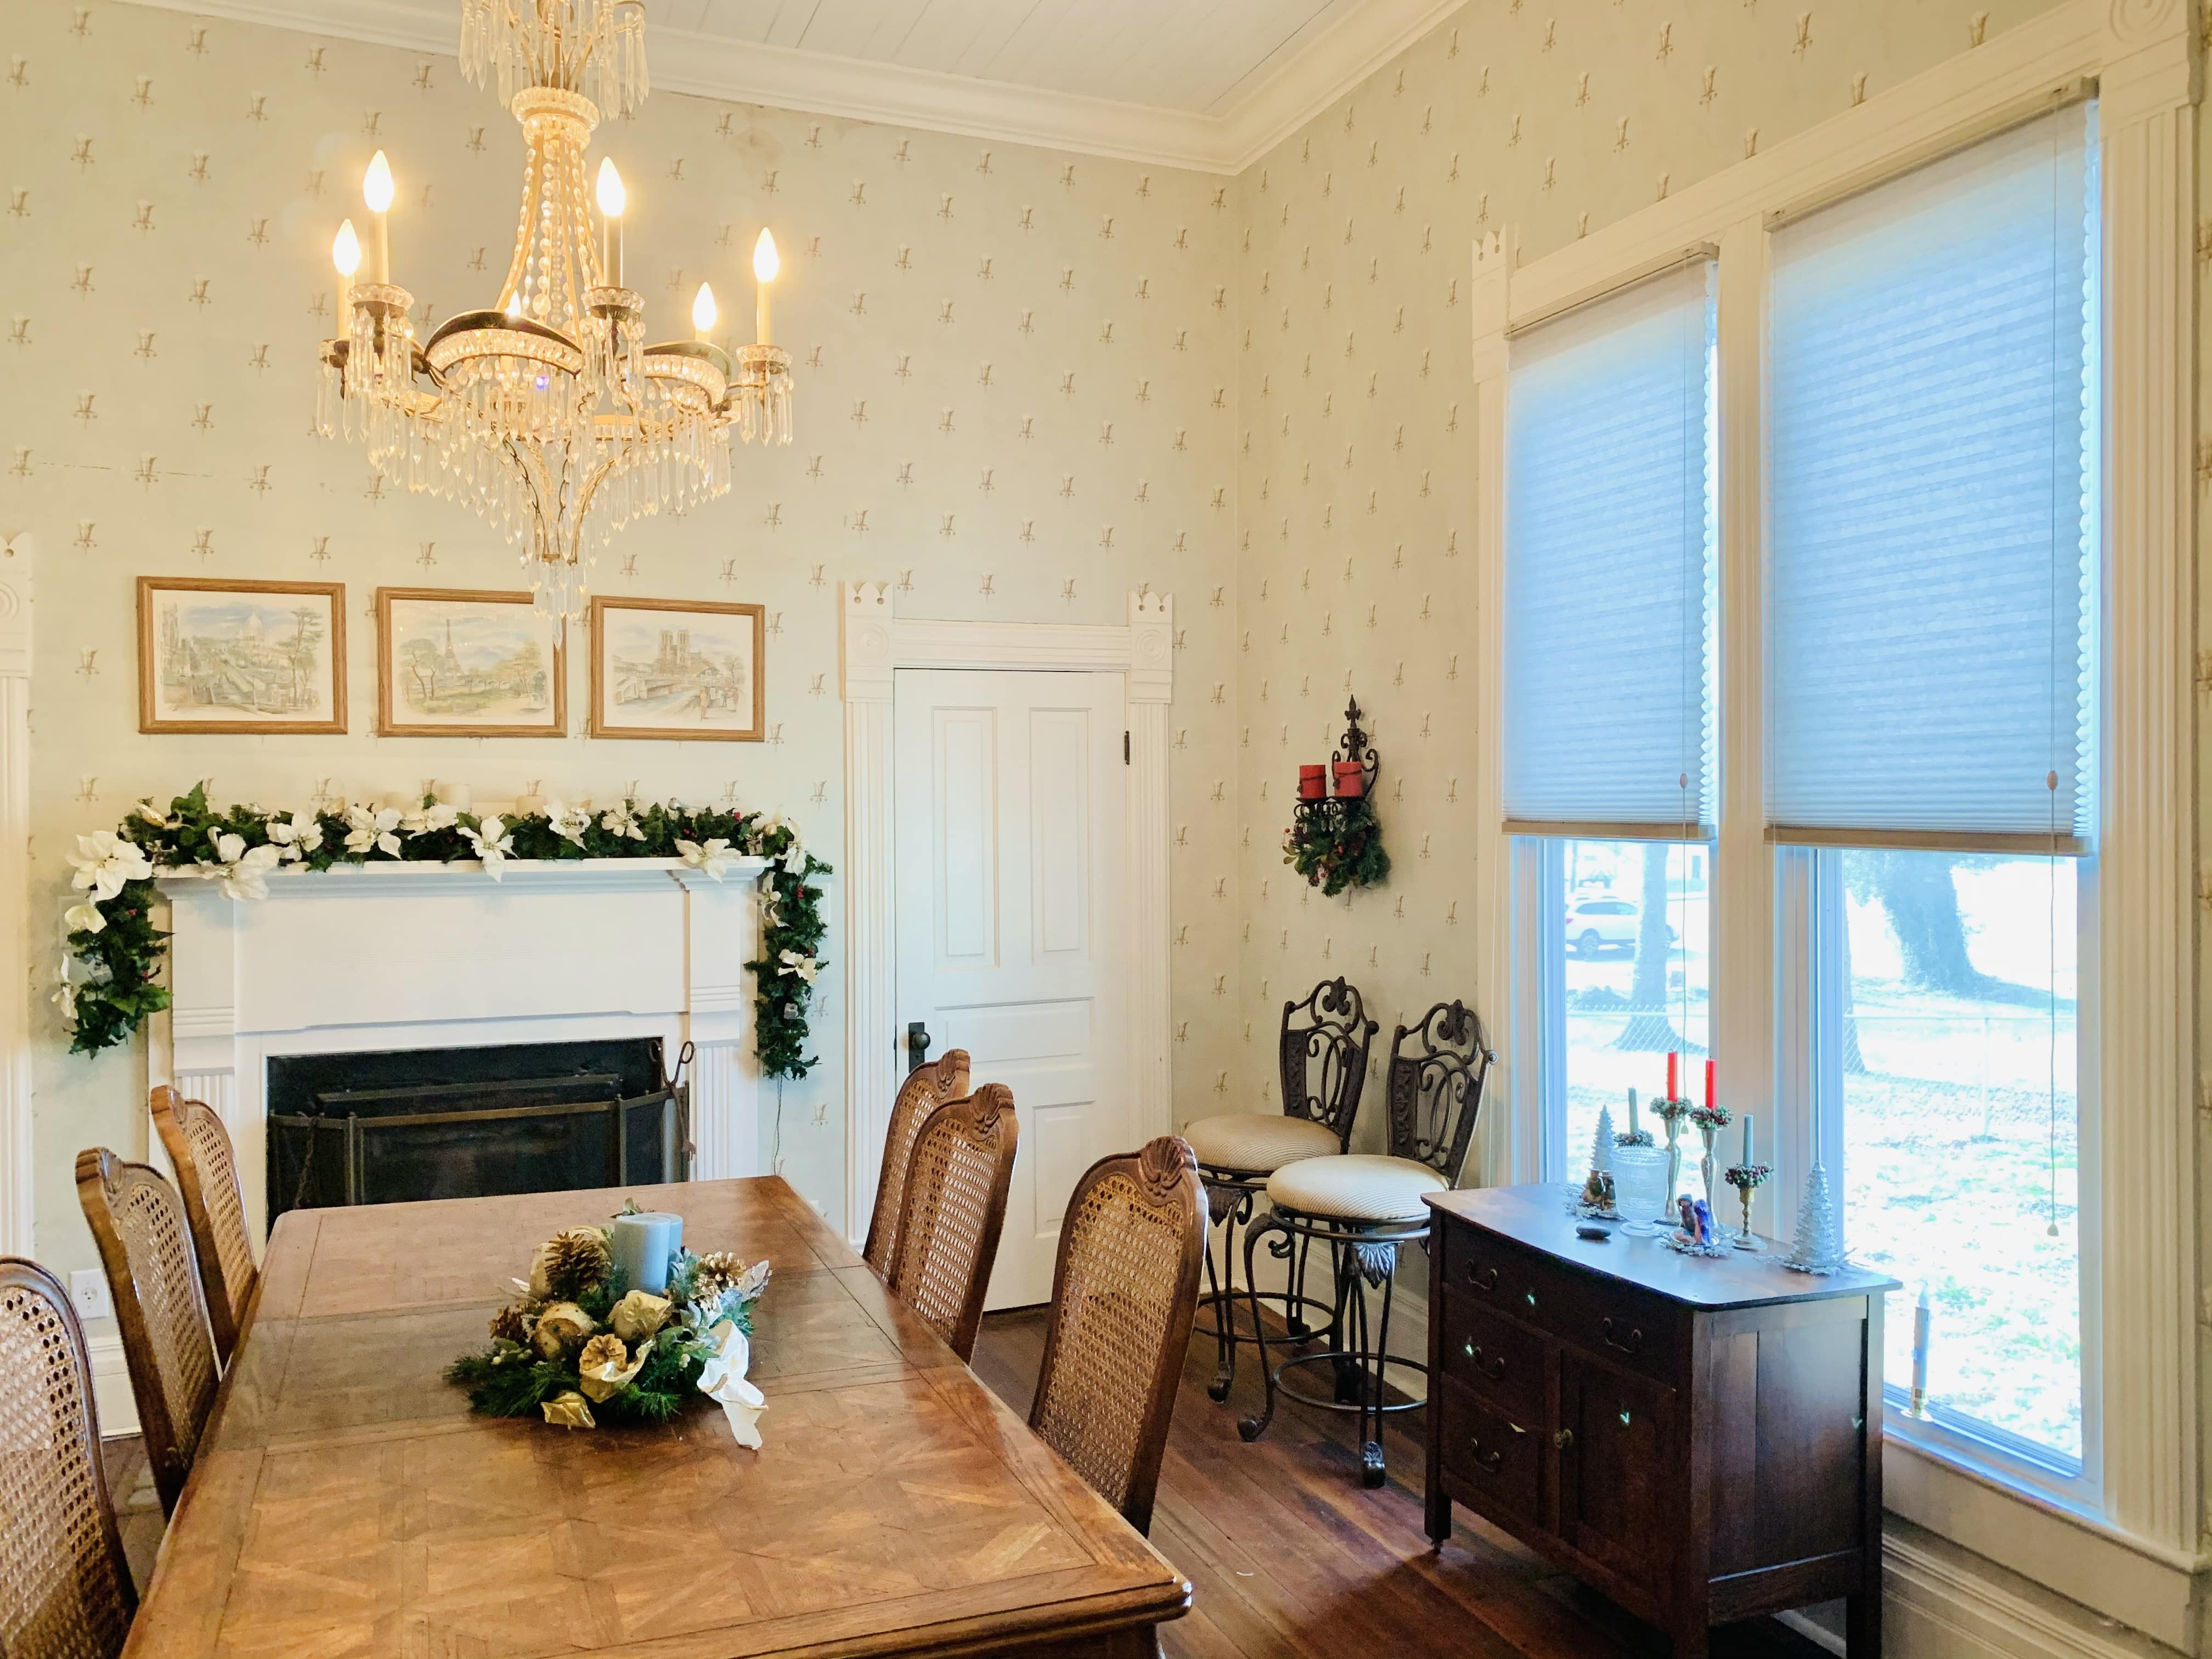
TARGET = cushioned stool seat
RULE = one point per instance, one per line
(1260, 1142)
(1356, 1189)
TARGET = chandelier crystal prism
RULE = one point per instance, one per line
(550, 413)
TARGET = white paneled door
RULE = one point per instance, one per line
(1011, 890)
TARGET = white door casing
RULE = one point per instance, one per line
(874, 644)
(16, 1184)
(1009, 880)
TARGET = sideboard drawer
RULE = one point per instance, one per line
(1494, 1358)
(1601, 1315)
(1498, 1460)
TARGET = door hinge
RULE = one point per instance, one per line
(1125, 746)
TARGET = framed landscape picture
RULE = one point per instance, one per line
(451, 663)
(676, 668)
(240, 656)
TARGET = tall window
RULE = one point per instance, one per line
(1609, 677)
(1932, 738)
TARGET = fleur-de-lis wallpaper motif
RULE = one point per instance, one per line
(1356, 449)
(1111, 375)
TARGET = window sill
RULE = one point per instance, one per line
(2082, 1556)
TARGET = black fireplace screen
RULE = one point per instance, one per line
(384, 1128)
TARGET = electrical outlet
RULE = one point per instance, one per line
(89, 1291)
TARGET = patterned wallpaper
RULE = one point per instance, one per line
(1016, 400)
(1355, 421)
(1028, 382)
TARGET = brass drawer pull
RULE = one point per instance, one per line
(1492, 1369)
(1488, 1461)
(1482, 1277)
(1634, 1343)
(1563, 1438)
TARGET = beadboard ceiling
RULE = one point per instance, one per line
(1209, 84)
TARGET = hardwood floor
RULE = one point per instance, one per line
(1289, 1556)
(1291, 1559)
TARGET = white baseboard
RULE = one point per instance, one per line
(1939, 1604)
(111, 1386)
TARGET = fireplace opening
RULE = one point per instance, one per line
(387, 1127)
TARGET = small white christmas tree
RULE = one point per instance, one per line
(1818, 1247)
(1602, 1150)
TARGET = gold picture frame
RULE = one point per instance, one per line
(650, 678)
(430, 685)
(205, 667)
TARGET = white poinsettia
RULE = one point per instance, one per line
(619, 821)
(375, 831)
(64, 995)
(84, 918)
(427, 820)
(713, 858)
(805, 967)
(794, 860)
(244, 871)
(493, 844)
(569, 823)
(723, 1380)
(296, 836)
(104, 861)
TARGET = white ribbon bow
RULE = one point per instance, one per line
(723, 1380)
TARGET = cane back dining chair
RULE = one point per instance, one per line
(1124, 1291)
(138, 1222)
(215, 1207)
(927, 1087)
(65, 1585)
(1364, 1209)
(1321, 1055)
(954, 1209)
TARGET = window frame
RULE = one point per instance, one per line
(2136, 1511)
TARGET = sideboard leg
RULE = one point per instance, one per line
(1692, 1640)
(1863, 1625)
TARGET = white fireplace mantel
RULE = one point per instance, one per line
(427, 956)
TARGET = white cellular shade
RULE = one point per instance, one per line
(1609, 566)
(1932, 479)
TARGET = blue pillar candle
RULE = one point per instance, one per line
(642, 1245)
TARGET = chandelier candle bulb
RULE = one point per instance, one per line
(376, 192)
(766, 264)
(703, 314)
(345, 254)
(612, 199)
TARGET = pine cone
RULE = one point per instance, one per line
(576, 1263)
(717, 1271)
(509, 1326)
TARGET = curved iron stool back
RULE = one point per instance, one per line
(1435, 1093)
(1320, 1056)
(1437, 1071)
(1322, 1052)
(64, 1586)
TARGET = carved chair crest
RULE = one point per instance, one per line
(1438, 1069)
(1324, 1046)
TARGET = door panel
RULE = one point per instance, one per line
(1010, 878)
(1617, 1504)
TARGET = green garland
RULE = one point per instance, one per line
(1337, 846)
(109, 984)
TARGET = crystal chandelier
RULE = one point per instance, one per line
(550, 413)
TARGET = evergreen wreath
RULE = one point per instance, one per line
(1338, 846)
(108, 984)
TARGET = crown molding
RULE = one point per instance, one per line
(1336, 60)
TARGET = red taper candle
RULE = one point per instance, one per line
(1674, 1075)
(1709, 1085)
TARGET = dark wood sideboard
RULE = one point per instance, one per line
(1700, 1439)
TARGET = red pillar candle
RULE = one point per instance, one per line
(1674, 1075)
(1312, 786)
(1351, 779)
(1709, 1085)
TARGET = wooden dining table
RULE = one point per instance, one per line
(346, 1502)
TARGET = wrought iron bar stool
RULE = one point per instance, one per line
(1322, 1055)
(1364, 1209)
